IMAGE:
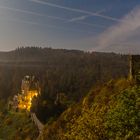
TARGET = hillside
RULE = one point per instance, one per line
(64, 70)
(110, 112)
(76, 101)
(70, 73)
(16, 125)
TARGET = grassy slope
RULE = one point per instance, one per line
(17, 126)
(108, 112)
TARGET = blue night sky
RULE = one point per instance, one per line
(90, 25)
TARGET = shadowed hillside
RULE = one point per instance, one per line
(64, 70)
(110, 112)
(64, 73)
(65, 104)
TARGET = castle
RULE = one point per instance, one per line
(29, 89)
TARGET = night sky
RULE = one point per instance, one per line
(89, 25)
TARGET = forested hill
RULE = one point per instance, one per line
(72, 72)
(108, 112)
(36, 54)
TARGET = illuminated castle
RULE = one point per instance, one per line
(29, 89)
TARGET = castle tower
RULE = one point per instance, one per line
(25, 85)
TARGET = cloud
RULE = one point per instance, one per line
(51, 17)
(84, 17)
(31, 13)
(48, 25)
(121, 32)
(75, 10)
(78, 18)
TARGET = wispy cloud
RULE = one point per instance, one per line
(78, 18)
(84, 16)
(81, 18)
(75, 10)
(31, 13)
(121, 32)
(47, 16)
(46, 25)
